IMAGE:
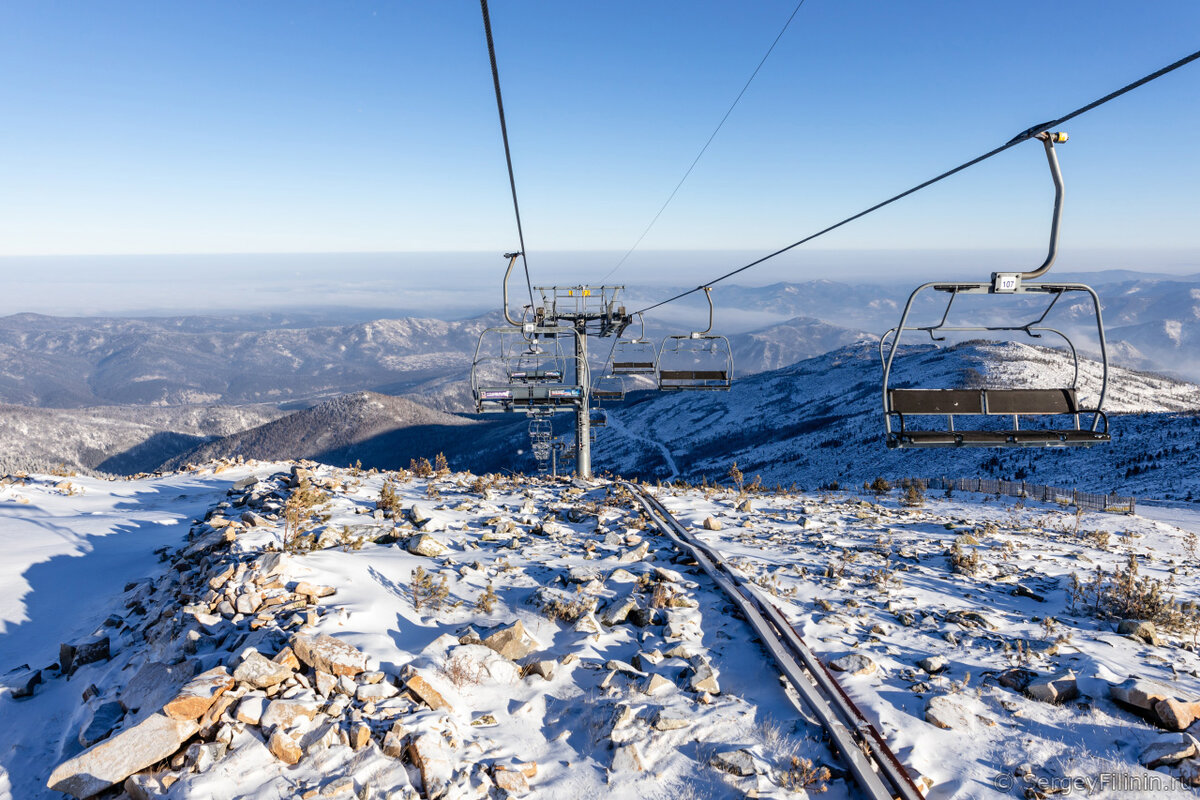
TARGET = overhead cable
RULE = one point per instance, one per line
(512, 182)
(717, 130)
(1025, 135)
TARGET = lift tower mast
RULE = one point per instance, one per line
(591, 311)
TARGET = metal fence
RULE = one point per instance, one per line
(1084, 501)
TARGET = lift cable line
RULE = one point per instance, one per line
(1025, 135)
(699, 155)
(512, 181)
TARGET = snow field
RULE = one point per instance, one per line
(876, 579)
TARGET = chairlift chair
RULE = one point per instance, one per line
(636, 356)
(901, 405)
(511, 371)
(610, 388)
(700, 360)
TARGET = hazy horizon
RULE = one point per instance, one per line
(456, 284)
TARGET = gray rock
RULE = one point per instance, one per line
(1017, 678)
(854, 663)
(933, 664)
(666, 720)
(23, 681)
(245, 483)
(255, 520)
(425, 545)
(260, 672)
(618, 610)
(156, 738)
(1058, 689)
(105, 720)
(1169, 749)
(1140, 629)
(735, 762)
(72, 656)
(711, 523)
(703, 677)
(1140, 693)
(513, 642)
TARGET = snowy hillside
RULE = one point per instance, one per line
(115, 439)
(820, 421)
(464, 637)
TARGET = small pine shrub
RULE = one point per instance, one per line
(426, 592)
(389, 500)
(305, 509)
(486, 602)
(420, 467)
(440, 466)
(880, 487)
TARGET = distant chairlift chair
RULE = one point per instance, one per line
(901, 405)
(531, 377)
(635, 356)
(696, 361)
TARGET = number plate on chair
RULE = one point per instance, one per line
(1005, 281)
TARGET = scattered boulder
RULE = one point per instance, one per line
(198, 694)
(111, 761)
(284, 747)
(426, 545)
(703, 677)
(421, 690)
(1058, 689)
(312, 591)
(255, 520)
(1142, 630)
(433, 757)
(513, 642)
(711, 523)
(1169, 749)
(329, 654)
(665, 720)
(105, 720)
(745, 505)
(655, 684)
(73, 655)
(512, 781)
(285, 713)
(854, 663)
(23, 682)
(1176, 715)
(245, 483)
(1140, 693)
(259, 672)
(934, 664)
(1017, 678)
(544, 668)
(735, 762)
(251, 708)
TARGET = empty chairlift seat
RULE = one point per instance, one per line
(1045, 410)
(989, 402)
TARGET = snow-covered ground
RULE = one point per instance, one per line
(632, 678)
(869, 577)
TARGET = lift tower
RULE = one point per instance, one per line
(590, 311)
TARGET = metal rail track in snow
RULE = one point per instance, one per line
(872, 764)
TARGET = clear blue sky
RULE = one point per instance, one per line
(302, 127)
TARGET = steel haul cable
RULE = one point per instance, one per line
(512, 182)
(1021, 137)
(696, 160)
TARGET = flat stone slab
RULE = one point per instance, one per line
(156, 738)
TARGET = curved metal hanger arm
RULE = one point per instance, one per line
(1048, 140)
